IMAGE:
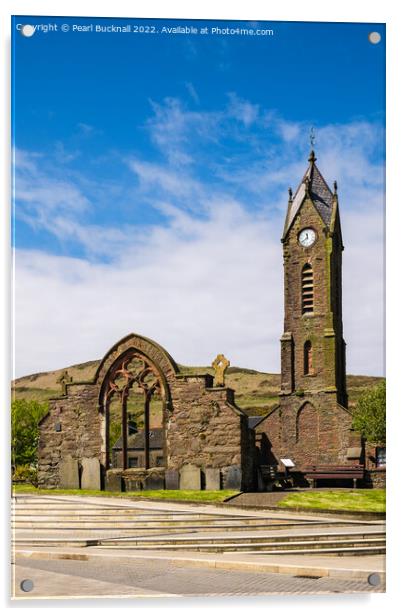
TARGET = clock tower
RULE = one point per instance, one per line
(312, 423)
(313, 349)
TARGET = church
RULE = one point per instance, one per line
(143, 423)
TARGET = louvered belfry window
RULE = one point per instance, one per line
(307, 289)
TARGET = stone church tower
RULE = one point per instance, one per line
(312, 424)
(313, 349)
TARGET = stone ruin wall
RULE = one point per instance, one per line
(203, 426)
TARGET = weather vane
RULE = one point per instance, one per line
(312, 137)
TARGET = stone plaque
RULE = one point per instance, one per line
(113, 481)
(69, 475)
(90, 478)
(233, 478)
(154, 482)
(212, 479)
(172, 479)
(190, 477)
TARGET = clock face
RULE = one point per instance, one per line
(307, 237)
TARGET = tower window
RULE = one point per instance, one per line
(308, 358)
(307, 289)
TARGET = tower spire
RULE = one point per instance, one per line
(312, 158)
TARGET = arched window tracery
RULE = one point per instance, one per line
(134, 404)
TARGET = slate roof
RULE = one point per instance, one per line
(321, 195)
(253, 421)
(136, 441)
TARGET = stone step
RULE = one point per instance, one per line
(353, 547)
(133, 514)
(266, 547)
(155, 541)
(185, 535)
(82, 514)
(56, 525)
(249, 539)
(354, 551)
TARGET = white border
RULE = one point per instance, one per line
(293, 10)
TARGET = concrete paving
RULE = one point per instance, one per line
(179, 534)
(156, 578)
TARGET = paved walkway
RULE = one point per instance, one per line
(61, 519)
(156, 578)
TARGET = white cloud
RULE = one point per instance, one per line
(192, 92)
(242, 110)
(209, 279)
(171, 181)
(200, 297)
(220, 291)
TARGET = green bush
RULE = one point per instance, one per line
(369, 415)
(25, 415)
(25, 473)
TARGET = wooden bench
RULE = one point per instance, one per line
(334, 472)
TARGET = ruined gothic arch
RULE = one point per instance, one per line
(134, 394)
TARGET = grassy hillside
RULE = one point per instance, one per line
(256, 392)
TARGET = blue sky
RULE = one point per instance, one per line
(151, 176)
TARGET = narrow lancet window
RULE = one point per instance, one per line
(308, 358)
(307, 289)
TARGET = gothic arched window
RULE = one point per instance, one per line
(308, 358)
(134, 402)
(307, 289)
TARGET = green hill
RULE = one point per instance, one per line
(256, 392)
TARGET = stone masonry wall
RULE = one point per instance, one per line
(79, 437)
(205, 428)
(310, 432)
(202, 424)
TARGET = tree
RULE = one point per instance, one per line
(25, 415)
(369, 415)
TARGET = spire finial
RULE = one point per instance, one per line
(335, 187)
(312, 137)
(312, 157)
(290, 191)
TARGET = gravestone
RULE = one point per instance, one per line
(172, 479)
(212, 479)
(69, 474)
(113, 481)
(190, 477)
(154, 482)
(90, 478)
(233, 478)
(133, 484)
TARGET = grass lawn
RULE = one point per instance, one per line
(349, 500)
(202, 496)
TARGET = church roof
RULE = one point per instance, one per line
(314, 184)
